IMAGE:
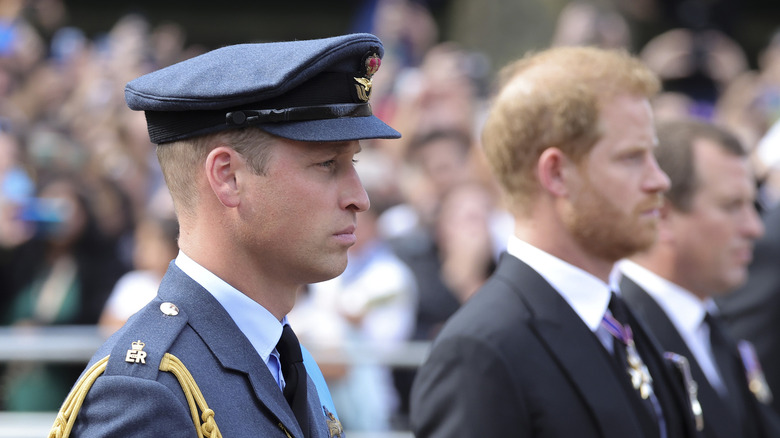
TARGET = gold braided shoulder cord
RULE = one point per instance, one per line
(208, 427)
(66, 417)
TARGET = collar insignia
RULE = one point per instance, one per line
(136, 353)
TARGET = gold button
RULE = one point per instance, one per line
(169, 309)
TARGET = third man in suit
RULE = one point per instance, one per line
(707, 228)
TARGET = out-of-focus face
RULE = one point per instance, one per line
(714, 240)
(464, 219)
(444, 163)
(300, 215)
(60, 199)
(617, 190)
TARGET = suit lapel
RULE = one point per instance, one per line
(719, 420)
(231, 348)
(576, 349)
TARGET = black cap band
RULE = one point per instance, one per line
(170, 126)
(326, 96)
(256, 117)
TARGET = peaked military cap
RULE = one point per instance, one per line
(310, 90)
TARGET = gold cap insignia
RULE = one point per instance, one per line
(371, 64)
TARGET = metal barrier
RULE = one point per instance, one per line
(77, 344)
(37, 425)
(66, 344)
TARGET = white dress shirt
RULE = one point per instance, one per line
(586, 294)
(255, 321)
(685, 310)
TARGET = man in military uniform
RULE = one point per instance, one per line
(256, 142)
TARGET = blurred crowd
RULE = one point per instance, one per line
(87, 227)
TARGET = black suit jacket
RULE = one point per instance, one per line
(753, 311)
(739, 416)
(516, 360)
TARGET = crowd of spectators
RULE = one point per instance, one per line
(81, 194)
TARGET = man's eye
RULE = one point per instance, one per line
(634, 157)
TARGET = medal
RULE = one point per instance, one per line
(637, 370)
(640, 375)
(682, 365)
(755, 375)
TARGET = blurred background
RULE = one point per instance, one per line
(86, 224)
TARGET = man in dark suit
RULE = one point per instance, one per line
(707, 228)
(536, 352)
(752, 312)
(256, 142)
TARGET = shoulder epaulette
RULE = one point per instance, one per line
(131, 357)
(140, 347)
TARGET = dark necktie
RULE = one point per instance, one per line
(725, 360)
(627, 355)
(294, 374)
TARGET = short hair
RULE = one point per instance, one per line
(180, 160)
(554, 99)
(675, 155)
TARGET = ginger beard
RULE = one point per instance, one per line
(607, 230)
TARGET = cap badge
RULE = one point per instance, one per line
(136, 354)
(371, 64)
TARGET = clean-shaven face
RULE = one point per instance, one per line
(714, 238)
(301, 215)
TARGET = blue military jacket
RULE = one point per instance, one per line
(133, 397)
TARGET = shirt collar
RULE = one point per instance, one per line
(258, 324)
(684, 308)
(586, 294)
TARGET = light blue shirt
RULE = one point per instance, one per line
(255, 321)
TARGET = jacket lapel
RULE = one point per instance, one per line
(231, 348)
(719, 421)
(576, 349)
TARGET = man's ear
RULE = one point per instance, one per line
(222, 164)
(553, 167)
